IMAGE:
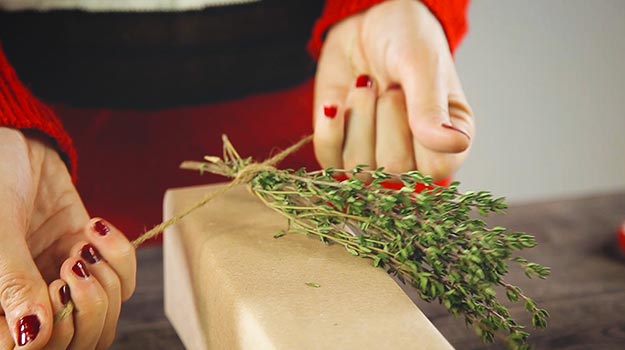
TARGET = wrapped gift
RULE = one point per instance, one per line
(229, 284)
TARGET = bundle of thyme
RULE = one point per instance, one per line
(429, 239)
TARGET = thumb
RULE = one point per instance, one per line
(23, 293)
(427, 101)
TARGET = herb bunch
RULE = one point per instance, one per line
(428, 240)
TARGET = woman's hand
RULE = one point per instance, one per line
(387, 94)
(50, 251)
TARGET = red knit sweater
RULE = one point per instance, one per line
(20, 109)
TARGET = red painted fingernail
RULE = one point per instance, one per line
(27, 329)
(90, 254)
(363, 81)
(330, 111)
(80, 269)
(101, 228)
(451, 127)
(65, 294)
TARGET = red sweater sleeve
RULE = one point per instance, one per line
(21, 110)
(450, 13)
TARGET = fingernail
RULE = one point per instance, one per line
(80, 269)
(329, 111)
(101, 228)
(363, 81)
(27, 329)
(451, 127)
(90, 254)
(65, 294)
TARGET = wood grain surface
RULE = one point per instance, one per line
(585, 293)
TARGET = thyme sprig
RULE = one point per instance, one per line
(428, 240)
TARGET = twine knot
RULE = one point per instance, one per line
(243, 176)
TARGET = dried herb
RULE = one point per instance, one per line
(429, 240)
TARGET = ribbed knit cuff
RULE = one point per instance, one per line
(450, 13)
(21, 110)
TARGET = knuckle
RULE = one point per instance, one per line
(461, 109)
(15, 288)
(99, 305)
(111, 285)
(126, 255)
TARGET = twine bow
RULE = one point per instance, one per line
(245, 174)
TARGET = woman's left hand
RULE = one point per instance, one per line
(387, 94)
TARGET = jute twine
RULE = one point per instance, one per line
(245, 175)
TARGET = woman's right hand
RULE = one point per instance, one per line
(47, 241)
(387, 94)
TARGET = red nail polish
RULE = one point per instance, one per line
(90, 254)
(65, 294)
(27, 329)
(80, 269)
(451, 127)
(330, 111)
(363, 81)
(101, 228)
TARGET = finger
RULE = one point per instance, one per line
(23, 293)
(328, 135)
(108, 279)
(90, 304)
(360, 134)
(332, 82)
(63, 331)
(394, 147)
(423, 78)
(118, 252)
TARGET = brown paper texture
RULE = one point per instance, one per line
(230, 285)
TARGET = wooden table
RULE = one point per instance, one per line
(585, 293)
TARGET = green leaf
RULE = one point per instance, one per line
(351, 250)
(423, 283)
(313, 284)
(512, 296)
